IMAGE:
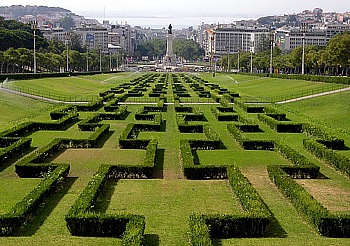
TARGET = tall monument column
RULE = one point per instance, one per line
(169, 59)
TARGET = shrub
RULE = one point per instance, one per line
(333, 158)
(324, 136)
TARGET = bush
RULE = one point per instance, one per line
(333, 158)
(18, 215)
(324, 136)
(303, 167)
(249, 144)
(280, 126)
(199, 232)
(83, 221)
(13, 148)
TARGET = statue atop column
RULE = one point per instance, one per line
(170, 28)
(169, 58)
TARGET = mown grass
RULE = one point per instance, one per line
(262, 87)
(167, 204)
(168, 200)
(332, 109)
(15, 109)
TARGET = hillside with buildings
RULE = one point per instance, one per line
(314, 27)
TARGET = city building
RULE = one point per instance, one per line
(122, 37)
(94, 37)
(228, 38)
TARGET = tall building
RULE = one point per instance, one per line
(122, 37)
(229, 38)
(95, 37)
(292, 37)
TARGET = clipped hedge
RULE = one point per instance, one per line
(249, 108)
(324, 136)
(301, 199)
(82, 220)
(143, 171)
(331, 157)
(224, 113)
(248, 144)
(30, 127)
(326, 79)
(327, 224)
(281, 126)
(247, 195)
(14, 220)
(199, 232)
(303, 168)
(91, 106)
(252, 223)
(62, 111)
(14, 147)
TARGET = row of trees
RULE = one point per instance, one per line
(334, 59)
(183, 48)
(21, 60)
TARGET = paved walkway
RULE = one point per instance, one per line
(57, 101)
(314, 95)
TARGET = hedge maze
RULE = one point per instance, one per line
(210, 140)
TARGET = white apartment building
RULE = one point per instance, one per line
(94, 37)
(288, 39)
(122, 37)
(228, 38)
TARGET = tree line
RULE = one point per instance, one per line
(332, 60)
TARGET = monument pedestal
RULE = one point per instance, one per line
(169, 58)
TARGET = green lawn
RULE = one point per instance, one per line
(275, 88)
(332, 109)
(168, 200)
(15, 109)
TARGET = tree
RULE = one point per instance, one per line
(338, 48)
(67, 23)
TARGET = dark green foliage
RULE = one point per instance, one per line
(253, 223)
(91, 106)
(199, 231)
(83, 221)
(30, 127)
(61, 112)
(236, 226)
(18, 215)
(248, 144)
(327, 79)
(303, 168)
(13, 148)
(333, 158)
(324, 136)
(224, 113)
(247, 195)
(249, 108)
(301, 199)
(281, 126)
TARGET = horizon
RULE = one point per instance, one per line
(224, 11)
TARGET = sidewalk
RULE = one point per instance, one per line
(38, 97)
(314, 95)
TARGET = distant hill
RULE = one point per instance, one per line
(16, 11)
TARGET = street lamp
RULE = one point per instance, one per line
(67, 36)
(87, 57)
(238, 68)
(271, 52)
(251, 56)
(100, 49)
(34, 27)
(110, 61)
(303, 30)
